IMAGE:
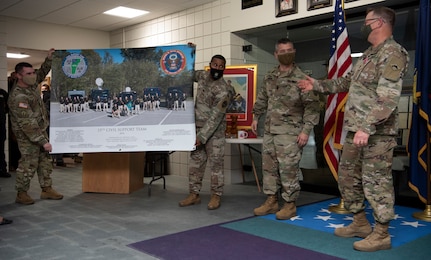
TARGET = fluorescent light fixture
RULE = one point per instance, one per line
(17, 55)
(356, 55)
(126, 12)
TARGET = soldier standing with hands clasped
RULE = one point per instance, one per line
(30, 121)
(290, 117)
(371, 119)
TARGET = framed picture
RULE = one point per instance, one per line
(285, 7)
(250, 3)
(316, 4)
(243, 79)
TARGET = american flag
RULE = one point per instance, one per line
(340, 63)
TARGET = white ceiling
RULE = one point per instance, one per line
(89, 13)
(85, 14)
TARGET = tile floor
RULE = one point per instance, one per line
(99, 226)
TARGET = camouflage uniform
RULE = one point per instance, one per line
(29, 119)
(374, 87)
(212, 99)
(288, 113)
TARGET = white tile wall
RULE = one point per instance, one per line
(205, 26)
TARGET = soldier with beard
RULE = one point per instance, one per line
(212, 100)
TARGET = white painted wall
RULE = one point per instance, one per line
(264, 14)
(42, 36)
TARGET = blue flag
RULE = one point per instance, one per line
(420, 129)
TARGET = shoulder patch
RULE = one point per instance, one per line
(223, 104)
(22, 105)
(394, 69)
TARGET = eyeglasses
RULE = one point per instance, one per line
(283, 51)
(372, 19)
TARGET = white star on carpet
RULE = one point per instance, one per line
(325, 210)
(413, 224)
(295, 218)
(398, 216)
(324, 218)
(348, 218)
(335, 225)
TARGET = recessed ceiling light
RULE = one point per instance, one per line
(126, 12)
(17, 55)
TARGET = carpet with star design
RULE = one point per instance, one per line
(403, 229)
(314, 225)
(309, 235)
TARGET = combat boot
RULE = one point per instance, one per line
(379, 239)
(360, 227)
(270, 206)
(287, 211)
(50, 193)
(214, 202)
(192, 199)
(23, 198)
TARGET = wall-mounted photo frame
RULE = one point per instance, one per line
(285, 7)
(250, 3)
(243, 80)
(316, 4)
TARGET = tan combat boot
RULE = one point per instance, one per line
(214, 202)
(270, 206)
(192, 199)
(378, 240)
(360, 227)
(287, 211)
(50, 193)
(23, 198)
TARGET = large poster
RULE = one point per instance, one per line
(123, 100)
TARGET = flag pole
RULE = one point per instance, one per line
(426, 214)
(423, 100)
(339, 208)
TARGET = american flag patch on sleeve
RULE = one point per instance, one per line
(22, 105)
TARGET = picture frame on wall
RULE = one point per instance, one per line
(285, 7)
(243, 79)
(317, 4)
(250, 3)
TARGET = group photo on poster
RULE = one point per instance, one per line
(123, 100)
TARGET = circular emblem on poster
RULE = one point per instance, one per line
(74, 65)
(173, 62)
